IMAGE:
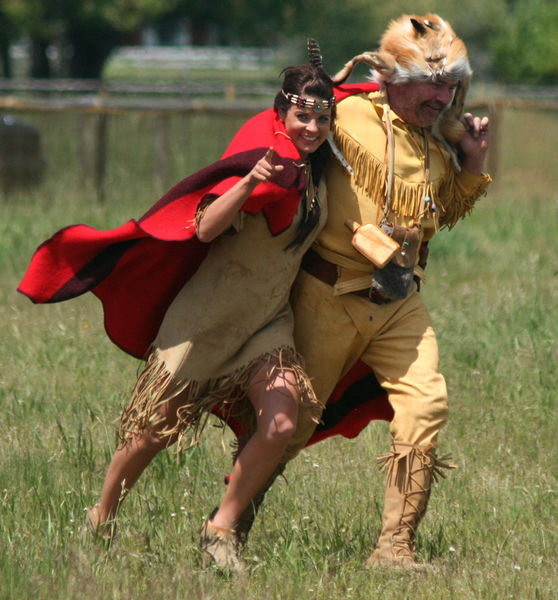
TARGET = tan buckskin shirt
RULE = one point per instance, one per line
(360, 134)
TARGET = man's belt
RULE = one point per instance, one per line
(328, 272)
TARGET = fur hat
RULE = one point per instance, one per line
(415, 48)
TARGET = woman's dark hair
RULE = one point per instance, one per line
(307, 80)
(304, 80)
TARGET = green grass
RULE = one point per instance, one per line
(492, 527)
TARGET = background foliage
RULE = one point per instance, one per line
(526, 42)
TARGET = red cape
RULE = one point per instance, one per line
(137, 269)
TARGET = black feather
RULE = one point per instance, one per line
(314, 53)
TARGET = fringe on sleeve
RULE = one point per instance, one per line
(460, 198)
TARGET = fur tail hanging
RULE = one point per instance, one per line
(449, 128)
(370, 58)
(451, 125)
(316, 60)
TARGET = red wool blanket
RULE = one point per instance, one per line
(137, 269)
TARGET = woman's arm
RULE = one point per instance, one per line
(220, 214)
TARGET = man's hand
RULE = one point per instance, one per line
(475, 142)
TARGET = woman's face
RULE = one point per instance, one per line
(306, 128)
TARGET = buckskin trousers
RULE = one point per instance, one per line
(395, 339)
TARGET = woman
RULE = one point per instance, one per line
(225, 341)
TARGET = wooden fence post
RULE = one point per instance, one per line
(100, 155)
(161, 124)
(92, 151)
(495, 110)
(230, 92)
(85, 143)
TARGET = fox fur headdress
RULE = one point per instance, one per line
(420, 48)
(415, 48)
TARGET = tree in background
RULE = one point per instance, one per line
(37, 20)
(512, 39)
(8, 33)
(347, 28)
(525, 48)
(83, 31)
(473, 20)
(342, 29)
(205, 18)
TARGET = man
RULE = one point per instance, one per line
(408, 182)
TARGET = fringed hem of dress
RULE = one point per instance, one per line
(199, 399)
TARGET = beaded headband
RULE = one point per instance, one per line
(318, 106)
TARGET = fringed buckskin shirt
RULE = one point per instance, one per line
(360, 196)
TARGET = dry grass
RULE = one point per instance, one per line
(492, 527)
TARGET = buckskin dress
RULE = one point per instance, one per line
(232, 315)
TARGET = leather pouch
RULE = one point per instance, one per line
(407, 239)
(395, 280)
(373, 243)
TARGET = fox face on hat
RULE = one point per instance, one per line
(415, 48)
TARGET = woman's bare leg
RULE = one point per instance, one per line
(128, 463)
(276, 406)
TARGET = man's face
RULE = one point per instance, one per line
(421, 102)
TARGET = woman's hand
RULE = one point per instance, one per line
(264, 170)
(220, 214)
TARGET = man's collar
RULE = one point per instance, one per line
(379, 99)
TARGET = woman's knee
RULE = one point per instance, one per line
(305, 427)
(279, 430)
(152, 441)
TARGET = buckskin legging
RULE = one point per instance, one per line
(396, 340)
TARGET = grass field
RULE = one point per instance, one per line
(492, 527)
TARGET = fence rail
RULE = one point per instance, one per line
(97, 100)
(122, 91)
